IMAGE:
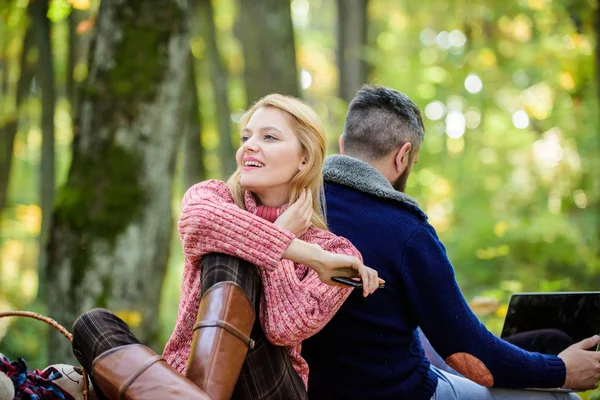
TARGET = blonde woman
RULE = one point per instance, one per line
(270, 214)
(258, 245)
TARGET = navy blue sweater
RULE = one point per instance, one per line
(371, 349)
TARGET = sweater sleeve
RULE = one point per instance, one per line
(210, 222)
(456, 333)
(294, 309)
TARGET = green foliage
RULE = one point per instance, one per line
(58, 10)
(509, 202)
(27, 339)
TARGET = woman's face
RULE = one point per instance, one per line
(270, 156)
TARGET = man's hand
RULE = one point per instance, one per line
(297, 217)
(583, 366)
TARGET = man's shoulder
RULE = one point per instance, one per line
(391, 208)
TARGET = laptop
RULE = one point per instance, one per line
(550, 322)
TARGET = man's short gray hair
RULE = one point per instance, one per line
(380, 120)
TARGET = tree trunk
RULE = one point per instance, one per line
(193, 167)
(38, 11)
(352, 39)
(9, 131)
(112, 220)
(218, 76)
(4, 80)
(4, 57)
(77, 53)
(267, 36)
(597, 56)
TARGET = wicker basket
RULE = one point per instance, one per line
(54, 324)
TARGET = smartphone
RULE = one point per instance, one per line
(351, 282)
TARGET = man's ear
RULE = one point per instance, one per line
(341, 143)
(402, 157)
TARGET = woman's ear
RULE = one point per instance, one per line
(302, 165)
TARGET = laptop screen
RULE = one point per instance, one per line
(550, 322)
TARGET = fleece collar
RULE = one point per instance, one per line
(359, 175)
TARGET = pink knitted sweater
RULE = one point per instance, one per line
(295, 304)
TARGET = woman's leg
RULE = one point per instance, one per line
(265, 371)
(95, 332)
(268, 373)
(224, 321)
(453, 387)
(118, 364)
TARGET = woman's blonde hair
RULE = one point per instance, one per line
(308, 128)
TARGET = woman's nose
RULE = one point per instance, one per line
(250, 145)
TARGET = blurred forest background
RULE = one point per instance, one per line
(110, 110)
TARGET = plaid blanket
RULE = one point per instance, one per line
(33, 385)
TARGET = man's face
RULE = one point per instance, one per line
(400, 183)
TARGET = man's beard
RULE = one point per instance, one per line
(400, 183)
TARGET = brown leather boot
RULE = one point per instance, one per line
(221, 339)
(134, 372)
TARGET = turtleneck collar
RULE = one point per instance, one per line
(267, 212)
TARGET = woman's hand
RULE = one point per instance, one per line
(328, 265)
(340, 265)
(297, 217)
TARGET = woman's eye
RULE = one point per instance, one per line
(244, 139)
(270, 137)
